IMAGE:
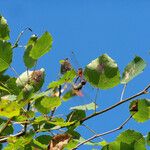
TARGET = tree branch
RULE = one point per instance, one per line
(144, 91)
(105, 133)
(5, 126)
(21, 133)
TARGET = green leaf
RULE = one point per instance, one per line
(102, 72)
(8, 130)
(40, 107)
(143, 112)
(44, 139)
(9, 109)
(148, 139)
(4, 89)
(76, 115)
(12, 86)
(132, 137)
(72, 144)
(41, 46)
(5, 55)
(28, 60)
(134, 68)
(50, 102)
(90, 106)
(60, 122)
(69, 94)
(39, 145)
(66, 78)
(4, 29)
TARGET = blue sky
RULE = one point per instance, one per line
(89, 28)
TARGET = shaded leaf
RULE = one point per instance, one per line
(41, 46)
(43, 139)
(90, 106)
(102, 72)
(69, 94)
(4, 29)
(8, 130)
(5, 55)
(148, 139)
(40, 107)
(12, 86)
(76, 115)
(143, 112)
(134, 68)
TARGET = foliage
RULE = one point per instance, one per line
(23, 100)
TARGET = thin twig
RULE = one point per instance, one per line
(144, 91)
(26, 124)
(105, 133)
(53, 111)
(3, 140)
(19, 36)
(5, 126)
(95, 99)
(122, 93)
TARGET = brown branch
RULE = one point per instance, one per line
(21, 133)
(5, 126)
(105, 133)
(144, 91)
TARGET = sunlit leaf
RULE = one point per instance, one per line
(60, 122)
(90, 106)
(143, 110)
(132, 137)
(134, 68)
(41, 46)
(5, 55)
(40, 107)
(50, 102)
(102, 72)
(4, 29)
(9, 108)
(66, 78)
(9, 97)
(28, 60)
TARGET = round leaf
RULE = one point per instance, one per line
(134, 68)
(143, 110)
(4, 29)
(5, 55)
(29, 61)
(41, 46)
(102, 72)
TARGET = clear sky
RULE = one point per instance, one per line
(89, 28)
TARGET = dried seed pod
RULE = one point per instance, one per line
(59, 141)
(134, 107)
(65, 66)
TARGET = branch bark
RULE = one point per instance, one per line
(105, 133)
(144, 91)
